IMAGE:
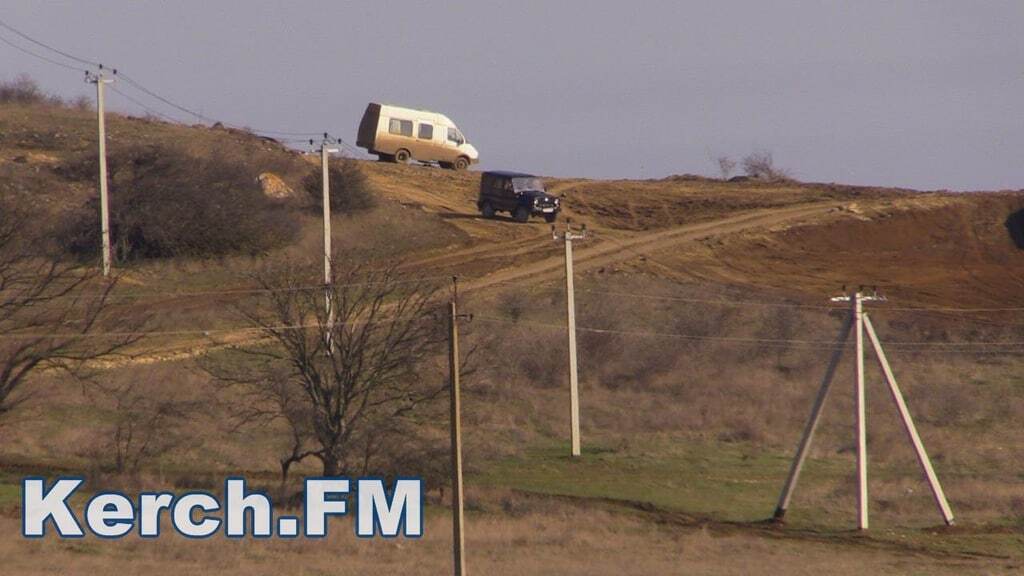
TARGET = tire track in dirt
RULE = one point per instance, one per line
(607, 251)
(612, 251)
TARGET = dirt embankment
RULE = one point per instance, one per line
(962, 250)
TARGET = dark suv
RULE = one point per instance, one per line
(521, 195)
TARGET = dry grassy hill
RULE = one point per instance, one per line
(702, 341)
(908, 242)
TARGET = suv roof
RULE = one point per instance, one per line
(507, 174)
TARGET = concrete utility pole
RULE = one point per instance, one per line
(860, 320)
(100, 80)
(812, 423)
(325, 153)
(862, 431)
(908, 425)
(570, 303)
(455, 417)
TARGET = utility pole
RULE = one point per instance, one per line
(860, 320)
(455, 417)
(862, 431)
(100, 80)
(804, 447)
(570, 302)
(325, 153)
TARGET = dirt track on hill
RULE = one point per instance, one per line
(608, 251)
(603, 250)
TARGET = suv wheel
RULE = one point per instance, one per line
(549, 218)
(461, 163)
(486, 210)
(403, 156)
(521, 214)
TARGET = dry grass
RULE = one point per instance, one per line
(740, 398)
(538, 538)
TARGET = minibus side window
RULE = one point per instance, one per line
(426, 132)
(400, 127)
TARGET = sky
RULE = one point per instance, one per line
(927, 95)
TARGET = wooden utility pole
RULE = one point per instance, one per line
(100, 80)
(570, 304)
(861, 322)
(455, 417)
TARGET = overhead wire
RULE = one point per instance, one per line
(773, 342)
(143, 106)
(130, 81)
(42, 44)
(40, 56)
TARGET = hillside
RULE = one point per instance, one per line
(704, 330)
(896, 239)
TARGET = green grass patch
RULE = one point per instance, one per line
(727, 482)
(732, 482)
(10, 495)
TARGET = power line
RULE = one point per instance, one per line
(171, 295)
(40, 56)
(147, 91)
(128, 79)
(259, 131)
(787, 342)
(193, 332)
(48, 47)
(798, 305)
(135, 84)
(716, 302)
(144, 107)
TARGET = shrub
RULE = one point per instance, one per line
(25, 90)
(761, 165)
(725, 166)
(165, 203)
(350, 190)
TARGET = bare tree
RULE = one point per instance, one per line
(341, 384)
(761, 165)
(50, 312)
(725, 166)
(146, 421)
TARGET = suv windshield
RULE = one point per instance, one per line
(529, 183)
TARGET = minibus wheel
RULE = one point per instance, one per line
(461, 163)
(402, 156)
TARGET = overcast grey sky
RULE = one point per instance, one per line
(917, 94)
